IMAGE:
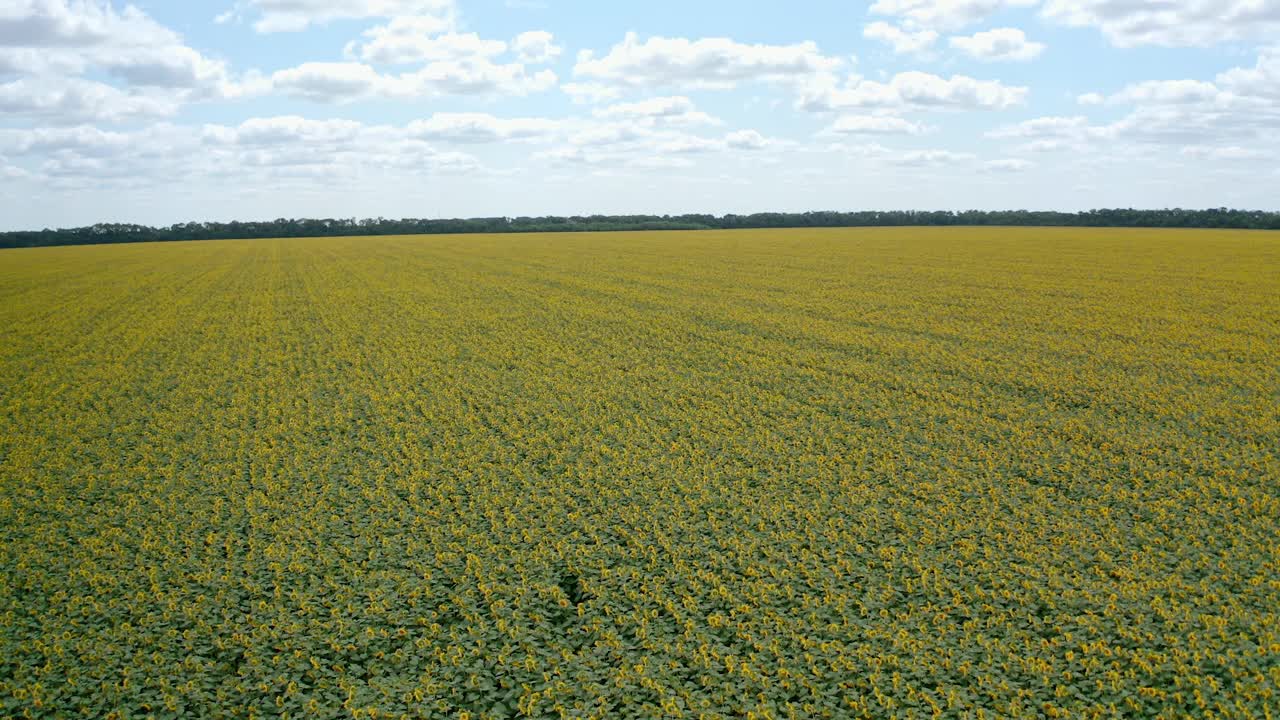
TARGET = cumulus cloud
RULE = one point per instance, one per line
(1171, 24)
(86, 156)
(72, 100)
(748, 140)
(58, 36)
(1239, 108)
(702, 63)
(1232, 153)
(535, 47)
(449, 63)
(915, 91)
(945, 14)
(481, 128)
(619, 133)
(295, 142)
(690, 144)
(1007, 165)
(82, 139)
(623, 145)
(39, 61)
(1167, 92)
(1178, 125)
(349, 81)
(623, 135)
(255, 150)
(1001, 44)
(611, 162)
(1049, 134)
(1043, 127)
(902, 41)
(285, 130)
(676, 110)
(860, 150)
(12, 172)
(874, 125)
(295, 15)
(414, 40)
(1261, 81)
(87, 23)
(53, 44)
(326, 82)
(933, 158)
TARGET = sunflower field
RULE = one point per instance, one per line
(854, 473)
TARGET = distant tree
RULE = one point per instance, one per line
(305, 227)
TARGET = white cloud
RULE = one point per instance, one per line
(535, 47)
(82, 139)
(295, 15)
(1001, 44)
(613, 160)
(590, 93)
(1050, 146)
(703, 63)
(77, 24)
(175, 66)
(945, 14)
(874, 125)
(416, 39)
(330, 82)
(933, 157)
(72, 100)
(68, 156)
(254, 151)
(1050, 134)
(863, 150)
(1091, 99)
(1260, 81)
(477, 77)
(676, 110)
(657, 162)
(690, 144)
(1043, 127)
(1229, 153)
(51, 44)
(481, 128)
(739, 140)
(622, 134)
(12, 172)
(1191, 124)
(1007, 165)
(916, 90)
(1170, 23)
(902, 41)
(610, 134)
(566, 155)
(350, 81)
(1240, 108)
(1166, 92)
(285, 130)
(747, 140)
(39, 61)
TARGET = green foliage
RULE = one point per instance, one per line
(283, 227)
(804, 474)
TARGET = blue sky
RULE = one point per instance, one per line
(164, 111)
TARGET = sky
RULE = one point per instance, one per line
(163, 111)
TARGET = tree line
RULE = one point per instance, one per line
(301, 227)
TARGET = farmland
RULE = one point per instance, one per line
(882, 472)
